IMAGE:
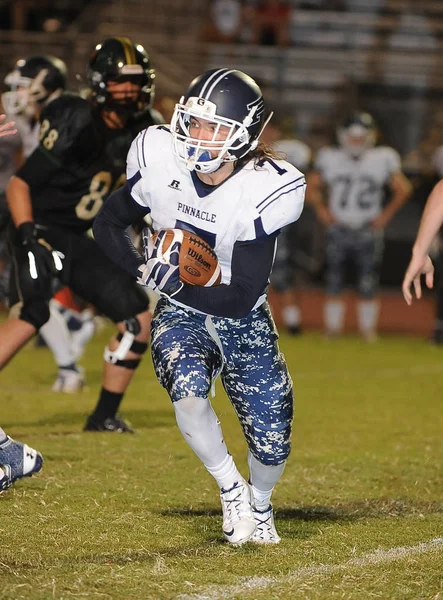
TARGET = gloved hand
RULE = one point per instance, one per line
(43, 262)
(161, 272)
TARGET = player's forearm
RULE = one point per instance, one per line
(402, 190)
(431, 221)
(19, 201)
(251, 266)
(110, 230)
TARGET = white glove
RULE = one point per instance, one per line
(161, 272)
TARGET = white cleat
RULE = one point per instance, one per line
(265, 532)
(238, 520)
(69, 381)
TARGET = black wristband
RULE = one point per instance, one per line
(26, 232)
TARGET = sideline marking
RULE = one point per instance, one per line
(249, 584)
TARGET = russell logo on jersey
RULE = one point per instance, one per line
(175, 185)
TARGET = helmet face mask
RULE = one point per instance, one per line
(206, 155)
(230, 104)
(118, 61)
(33, 83)
(357, 134)
(16, 100)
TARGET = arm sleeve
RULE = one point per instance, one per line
(251, 267)
(110, 229)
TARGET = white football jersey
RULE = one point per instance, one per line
(251, 203)
(355, 186)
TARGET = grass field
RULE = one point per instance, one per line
(359, 508)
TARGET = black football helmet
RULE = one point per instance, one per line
(33, 82)
(357, 133)
(227, 98)
(119, 59)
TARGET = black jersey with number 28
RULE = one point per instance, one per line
(78, 163)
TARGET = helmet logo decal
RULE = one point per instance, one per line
(131, 70)
(259, 106)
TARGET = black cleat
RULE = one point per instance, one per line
(437, 336)
(111, 424)
(293, 329)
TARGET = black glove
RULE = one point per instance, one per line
(42, 262)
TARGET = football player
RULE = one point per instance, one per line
(54, 198)
(17, 460)
(346, 188)
(282, 280)
(33, 83)
(209, 174)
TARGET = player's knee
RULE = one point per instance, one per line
(129, 351)
(272, 444)
(191, 406)
(272, 455)
(35, 312)
(367, 287)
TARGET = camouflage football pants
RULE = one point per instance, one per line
(362, 247)
(190, 349)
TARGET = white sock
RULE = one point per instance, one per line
(226, 473)
(291, 316)
(334, 315)
(56, 334)
(263, 479)
(367, 315)
(201, 429)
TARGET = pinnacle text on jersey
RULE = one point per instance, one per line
(197, 213)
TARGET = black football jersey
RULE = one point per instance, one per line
(78, 163)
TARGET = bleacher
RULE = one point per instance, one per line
(338, 57)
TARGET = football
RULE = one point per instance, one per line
(198, 262)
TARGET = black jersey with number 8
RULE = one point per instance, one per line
(78, 163)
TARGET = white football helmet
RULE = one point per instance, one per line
(33, 82)
(357, 134)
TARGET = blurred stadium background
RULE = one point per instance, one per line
(359, 507)
(382, 56)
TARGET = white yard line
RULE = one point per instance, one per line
(250, 584)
